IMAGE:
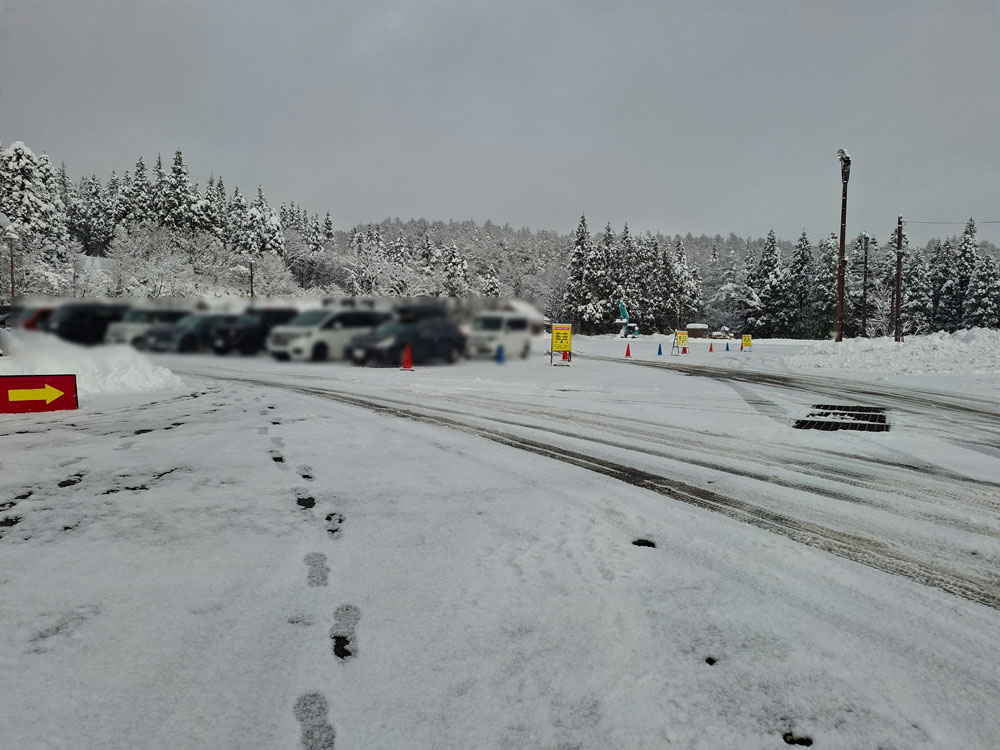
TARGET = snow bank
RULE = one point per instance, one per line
(107, 369)
(975, 351)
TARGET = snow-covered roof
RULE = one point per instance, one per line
(698, 326)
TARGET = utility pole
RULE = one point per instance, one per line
(251, 278)
(845, 175)
(864, 290)
(899, 279)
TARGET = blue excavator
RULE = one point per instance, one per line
(629, 330)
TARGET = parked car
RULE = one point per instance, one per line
(431, 339)
(248, 334)
(132, 328)
(319, 335)
(722, 333)
(491, 330)
(192, 333)
(84, 323)
(6, 312)
(30, 318)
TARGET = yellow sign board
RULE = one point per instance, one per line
(682, 338)
(747, 341)
(562, 337)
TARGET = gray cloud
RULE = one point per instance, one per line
(681, 116)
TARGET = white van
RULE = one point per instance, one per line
(491, 330)
(319, 335)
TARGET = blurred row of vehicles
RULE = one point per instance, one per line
(373, 334)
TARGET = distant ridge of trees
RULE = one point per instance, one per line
(160, 234)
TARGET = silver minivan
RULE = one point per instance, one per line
(491, 330)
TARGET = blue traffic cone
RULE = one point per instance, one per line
(659, 350)
(500, 355)
(727, 346)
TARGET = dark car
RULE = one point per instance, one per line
(30, 318)
(5, 314)
(431, 339)
(84, 323)
(248, 334)
(192, 333)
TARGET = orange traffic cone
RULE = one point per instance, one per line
(684, 350)
(407, 358)
(628, 350)
(565, 356)
(710, 345)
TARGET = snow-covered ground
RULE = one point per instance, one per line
(275, 554)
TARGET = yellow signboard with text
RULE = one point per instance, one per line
(747, 341)
(682, 338)
(562, 337)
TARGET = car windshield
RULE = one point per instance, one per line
(23, 313)
(189, 321)
(249, 319)
(142, 316)
(311, 318)
(393, 328)
(66, 313)
(487, 324)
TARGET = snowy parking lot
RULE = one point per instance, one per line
(642, 553)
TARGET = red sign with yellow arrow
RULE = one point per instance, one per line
(21, 394)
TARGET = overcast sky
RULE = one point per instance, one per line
(701, 116)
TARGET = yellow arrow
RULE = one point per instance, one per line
(48, 394)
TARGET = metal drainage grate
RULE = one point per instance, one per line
(829, 417)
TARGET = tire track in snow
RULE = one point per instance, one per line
(850, 546)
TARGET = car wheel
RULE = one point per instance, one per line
(319, 352)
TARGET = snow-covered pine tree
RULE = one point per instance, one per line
(627, 274)
(800, 321)
(982, 301)
(113, 198)
(489, 283)
(141, 198)
(576, 298)
(917, 311)
(600, 285)
(715, 272)
(956, 287)
(825, 287)
(652, 287)
(178, 207)
(24, 197)
(456, 274)
(267, 225)
(158, 191)
(688, 294)
(328, 228)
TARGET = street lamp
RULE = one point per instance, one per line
(845, 175)
(8, 233)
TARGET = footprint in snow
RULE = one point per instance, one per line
(277, 441)
(317, 573)
(276, 457)
(262, 430)
(306, 472)
(317, 733)
(345, 622)
(334, 521)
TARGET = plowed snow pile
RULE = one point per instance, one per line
(106, 369)
(973, 351)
